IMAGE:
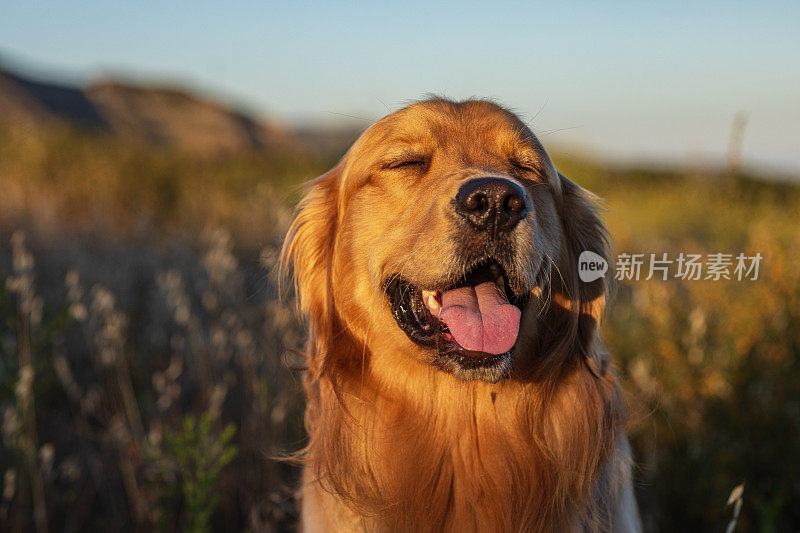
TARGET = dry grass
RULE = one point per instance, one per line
(142, 341)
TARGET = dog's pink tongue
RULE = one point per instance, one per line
(480, 318)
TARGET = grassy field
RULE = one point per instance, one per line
(146, 352)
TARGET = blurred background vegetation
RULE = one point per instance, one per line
(146, 352)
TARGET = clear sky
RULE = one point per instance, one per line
(630, 80)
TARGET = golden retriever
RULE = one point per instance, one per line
(455, 379)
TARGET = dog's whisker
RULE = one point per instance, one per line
(561, 277)
(547, 287)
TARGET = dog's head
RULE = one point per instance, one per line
(446, 234)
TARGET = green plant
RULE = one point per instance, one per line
(200, 454)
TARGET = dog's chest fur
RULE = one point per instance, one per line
(478, 458)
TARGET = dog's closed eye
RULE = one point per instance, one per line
(522, 165)
(394, 165)
(406, 159)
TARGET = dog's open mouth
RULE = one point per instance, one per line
(473, 324)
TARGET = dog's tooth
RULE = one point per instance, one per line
(429, 297)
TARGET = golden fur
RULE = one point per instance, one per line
(396, 444)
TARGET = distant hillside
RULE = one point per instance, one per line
(155, 116)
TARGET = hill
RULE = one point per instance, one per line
(154, 116)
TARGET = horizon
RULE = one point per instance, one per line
(645, 83)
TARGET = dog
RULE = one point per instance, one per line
(455, 378)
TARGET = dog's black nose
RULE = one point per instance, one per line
(493, 204)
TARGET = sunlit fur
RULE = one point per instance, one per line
(396, 444)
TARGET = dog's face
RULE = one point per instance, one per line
(438, 237)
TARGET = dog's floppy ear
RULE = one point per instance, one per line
(308, 250)
(582, 302)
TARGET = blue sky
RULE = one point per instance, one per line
(627, 80)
